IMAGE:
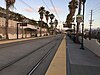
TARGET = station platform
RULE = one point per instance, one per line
(20, 39)
(14, 40)
(58, 64)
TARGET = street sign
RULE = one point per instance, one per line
(79, 18)
(23, 24)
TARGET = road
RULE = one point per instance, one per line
(30, 57)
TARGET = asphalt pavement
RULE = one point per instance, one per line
(19, 56)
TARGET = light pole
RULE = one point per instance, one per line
(17, 30)
(90, 32)
(24, 23)
(82, 45)
(74, 39)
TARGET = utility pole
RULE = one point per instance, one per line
(90, 24)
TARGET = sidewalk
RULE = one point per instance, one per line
(58, 64)
(17, 40)
(14, 40)
(81, 62)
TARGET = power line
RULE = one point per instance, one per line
(28, 5)
(97, 6)
(46, 5)
(97, 11)
(54, 9)
(97, 18)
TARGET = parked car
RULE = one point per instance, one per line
(2, 37)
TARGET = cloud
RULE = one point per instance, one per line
(58, 10)
(28, 9)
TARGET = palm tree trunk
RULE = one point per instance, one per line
(79, 10)
(41, 28)
(6, 23)
(78, 24)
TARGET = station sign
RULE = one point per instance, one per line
(23, 24)
(79, 18)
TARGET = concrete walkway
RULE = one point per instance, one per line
(81, 62)
(17, 40)
(58, 64)
(14, 40)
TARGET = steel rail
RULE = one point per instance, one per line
(40, 61)
(18, 59)
(19, 42)
(43, 58)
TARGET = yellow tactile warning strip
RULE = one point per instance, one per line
(58, 64)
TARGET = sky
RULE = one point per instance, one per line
(93, 5)
(29, 8)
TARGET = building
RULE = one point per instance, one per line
(32, 28)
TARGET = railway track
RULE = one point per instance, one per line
(19, 43)
(42, 57)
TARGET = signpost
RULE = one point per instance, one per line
(21, 24)
(79, 18)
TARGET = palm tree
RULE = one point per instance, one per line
(78, 24)
(56, 23)
(47, 15)
(9, 3)
(80, 6)
(51, 23)
(51, 17)
(41, 12)
(72, 8)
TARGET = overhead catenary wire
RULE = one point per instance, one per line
(28, 6)
(46, 5)
(96, 8)
(97, 11)
(55, 9)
